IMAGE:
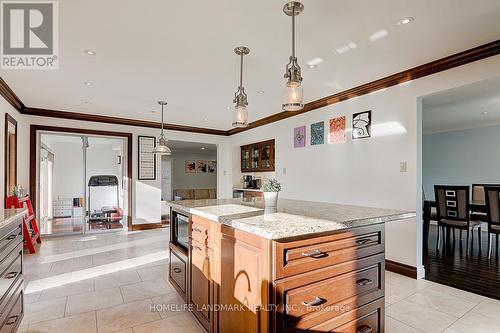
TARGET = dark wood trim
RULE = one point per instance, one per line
(118, 121)
(9, 119)
(139, 157)
(455, 60)
(399, 268)
(10, 96)
(33, 160)
(145, 226)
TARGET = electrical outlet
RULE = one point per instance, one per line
(284, 171)
(403, 166)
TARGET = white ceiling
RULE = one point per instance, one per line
(470, 106)
(191, 147)
(182, 51)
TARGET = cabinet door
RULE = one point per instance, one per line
(254, 152)
(200, 283)
(245, 158)
(265, 152)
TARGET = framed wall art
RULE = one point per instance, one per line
(362, 125)
(146, 159)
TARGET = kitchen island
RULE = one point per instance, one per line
(301, 267)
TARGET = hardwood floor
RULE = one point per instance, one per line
(472, 271)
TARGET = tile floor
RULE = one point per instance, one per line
(110, 283)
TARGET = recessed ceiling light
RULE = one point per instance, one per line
(87, 83)
(312, 66)
(484, 113)
(89, 52)
(260, 92)
(406, 20)
(202, 148)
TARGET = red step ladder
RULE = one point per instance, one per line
(30, 225)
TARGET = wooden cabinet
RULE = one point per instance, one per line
(240, 282)
(258, 157)
(11, 276)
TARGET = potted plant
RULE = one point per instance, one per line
(270, 187)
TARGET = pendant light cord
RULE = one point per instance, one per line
(241, 70)
(293, 32)
(162, 119)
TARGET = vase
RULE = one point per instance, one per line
(271, 199)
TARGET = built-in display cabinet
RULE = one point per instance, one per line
(258, 157)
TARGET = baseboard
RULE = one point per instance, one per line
(145, 226)
(399, 268)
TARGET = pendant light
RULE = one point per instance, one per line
(293, 90)
(240, 118)
(161, 146)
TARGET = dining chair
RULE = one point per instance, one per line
(453, 211)
(492, 196)
(478, 195)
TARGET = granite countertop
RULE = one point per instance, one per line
(291, 218)
(247, 189)
(9, 215)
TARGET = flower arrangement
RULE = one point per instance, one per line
(270, 185)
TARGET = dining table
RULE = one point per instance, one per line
(476, 206)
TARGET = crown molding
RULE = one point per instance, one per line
(118, 121)
(452, 61)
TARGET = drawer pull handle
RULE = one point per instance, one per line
(314, 254)
(197, 248)
(177, 270)
(364, 282)
(11, 237)
(11, 275)
(316, 301)
(364, 329)
(12, 320)
(198, 230)
(363, 241)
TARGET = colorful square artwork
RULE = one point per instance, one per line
(299, 137)
(337, 130)
(190, 166)
(318, 133)
(201, 166)
(361, 125)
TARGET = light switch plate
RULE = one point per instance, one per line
(403, 166)
(284, 171)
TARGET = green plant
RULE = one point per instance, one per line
(271, 185)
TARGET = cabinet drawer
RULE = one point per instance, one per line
(10, 270)
(199, 229)
(312, 298)
(178, 271)
(366, 319)
(306, 255)
(12, 311)
(10, 240)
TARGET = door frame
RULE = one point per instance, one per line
(33, 159)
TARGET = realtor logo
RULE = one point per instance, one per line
(30, 38)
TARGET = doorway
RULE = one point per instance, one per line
(83, 181)
(460, 136)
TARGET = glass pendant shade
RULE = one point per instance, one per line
(240, 118)
(161, 147)
(293, 97)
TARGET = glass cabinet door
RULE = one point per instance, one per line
(245, 159)
(265, 156)
(255, 157)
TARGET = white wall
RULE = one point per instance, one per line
(183, 180)
(68, 170)
(146, 207)
(461, 157)
(365, 172)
